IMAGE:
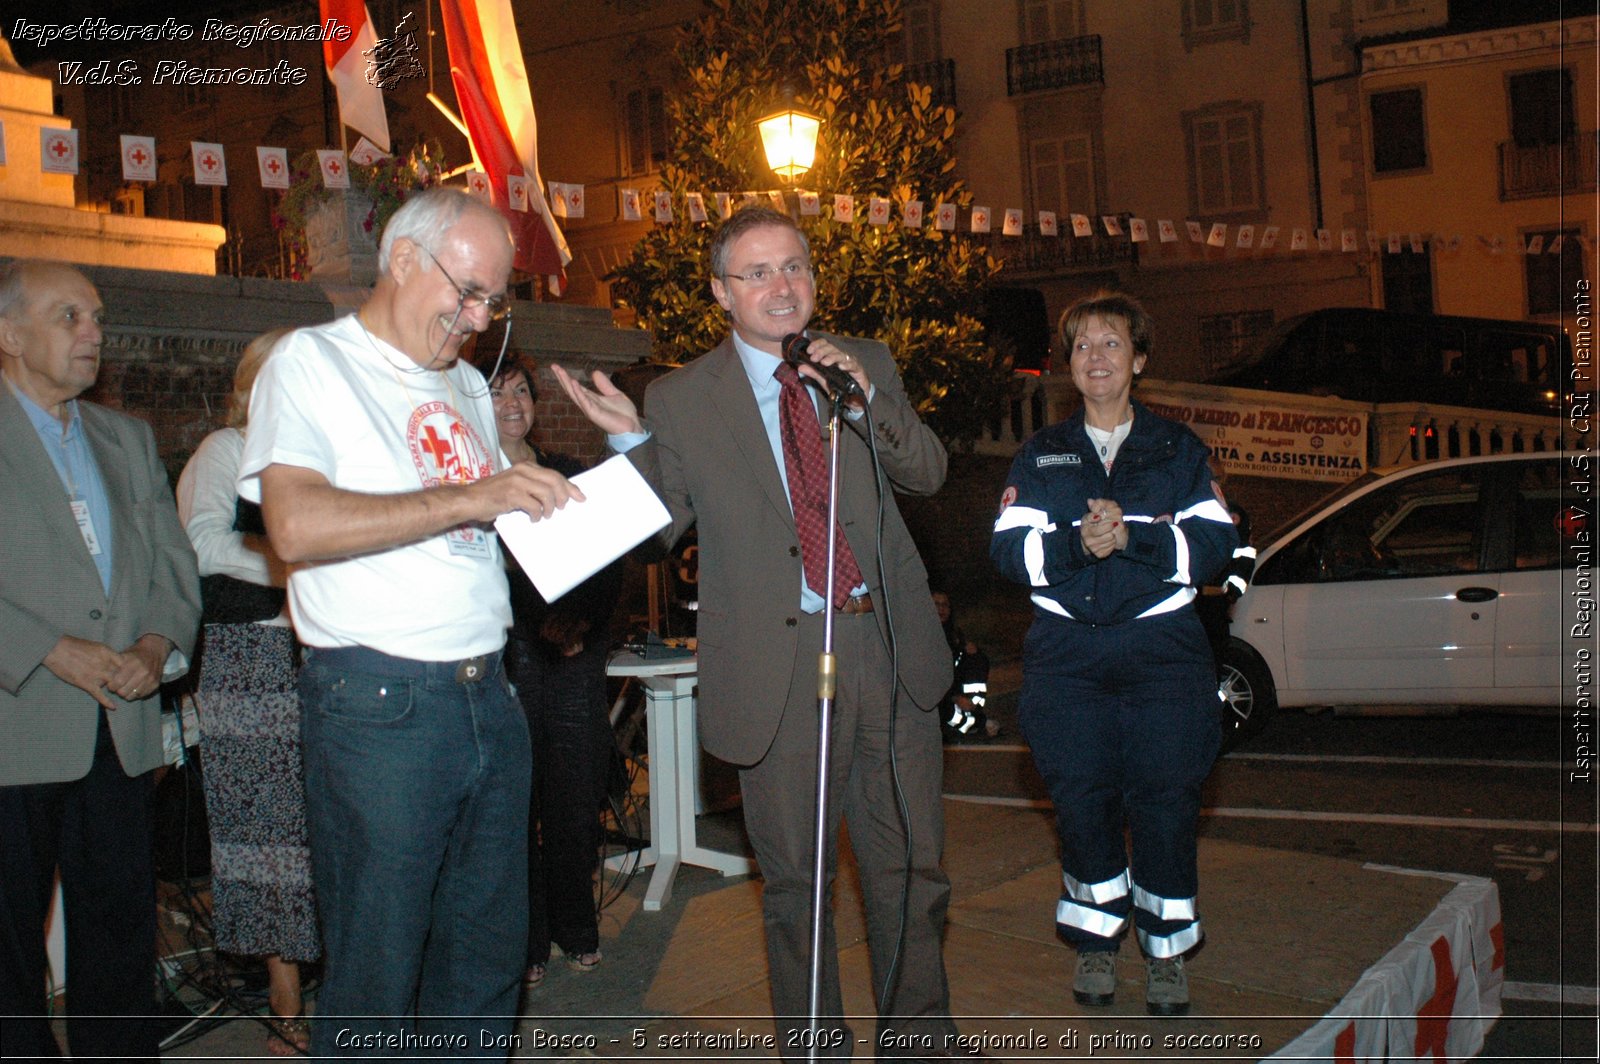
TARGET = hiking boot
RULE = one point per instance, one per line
(1166, 988)
(1095, 980)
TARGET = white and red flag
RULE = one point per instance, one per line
(138, 158)
(273, 163)
(492, 91)
(360, 101)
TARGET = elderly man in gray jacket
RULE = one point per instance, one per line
(99, 603)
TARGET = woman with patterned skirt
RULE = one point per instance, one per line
(250, 725)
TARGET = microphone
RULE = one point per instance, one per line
(794, 349)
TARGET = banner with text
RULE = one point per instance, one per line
(1272, 440)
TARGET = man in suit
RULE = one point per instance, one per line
(99, 603)
(713, 445)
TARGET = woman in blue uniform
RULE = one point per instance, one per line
(1113, 520)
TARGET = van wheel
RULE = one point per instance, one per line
(1246, 698)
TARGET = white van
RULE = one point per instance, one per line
(1438, 584)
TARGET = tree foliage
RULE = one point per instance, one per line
(919, 290)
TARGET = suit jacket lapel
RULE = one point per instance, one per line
(23, 457)
(730, 393)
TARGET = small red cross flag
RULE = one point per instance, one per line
(574, 195)
(878, 211)
(1081, 226)
(810, 205)
(1534, 245)
(1374, 242)
(944, 217)
(1167, 231)
(724, 203)
(844, 207)
(517, 192)
(1246, 237)
(558, 197)
(980, 219)
(1297, 239)
(1394, 243)
(58, 150)
(1417, 243)
(696, 202)
(1047, 224)
(1324, 240)
(630, 205)
(138, 158)
(210, 163)
(1138, 230)
(1218, 237)
(1113, 227)
(663, 206)
(1347, 240)
(1269, 238)
(335, 168)
(911, 214)
(478, 185)
(1197, 235)
(1011, 222)
(366, 153)
(273, 164)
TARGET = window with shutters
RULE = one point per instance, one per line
(644, 131)
(1226, 168)
(1399, 131)
(1063, 174)
(1209, 21)
(1051, 20)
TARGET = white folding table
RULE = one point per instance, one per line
(669, 685)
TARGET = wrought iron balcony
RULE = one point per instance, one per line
(1548, 169)
(1034, 253)
(1054, 65)
(940, 76)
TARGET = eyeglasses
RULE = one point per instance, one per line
(498, 306)
(793, 272)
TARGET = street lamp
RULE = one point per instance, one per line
(789, 138)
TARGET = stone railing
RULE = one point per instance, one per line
(1394, 433)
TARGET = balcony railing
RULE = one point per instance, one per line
(1054, 65)
(1035, 253)
(940, 76)
(1548, 169)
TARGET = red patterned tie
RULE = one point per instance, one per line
(806, 464)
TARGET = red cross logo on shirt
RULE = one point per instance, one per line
(138, 156)
(438, 449)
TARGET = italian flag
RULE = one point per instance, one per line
(492, 91)
(360, 103)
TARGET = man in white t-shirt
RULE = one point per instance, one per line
(374, 455)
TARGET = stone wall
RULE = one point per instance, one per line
(172, 341)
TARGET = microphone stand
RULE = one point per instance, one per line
(827, 683)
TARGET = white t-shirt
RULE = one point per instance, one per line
(338, 400)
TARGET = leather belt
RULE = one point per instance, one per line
(861, 603)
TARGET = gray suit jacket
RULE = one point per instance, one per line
(710, 459)
(49, 587)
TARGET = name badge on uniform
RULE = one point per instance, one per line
(80, 514)
(469, 541)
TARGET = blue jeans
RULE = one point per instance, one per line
(417, 805)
